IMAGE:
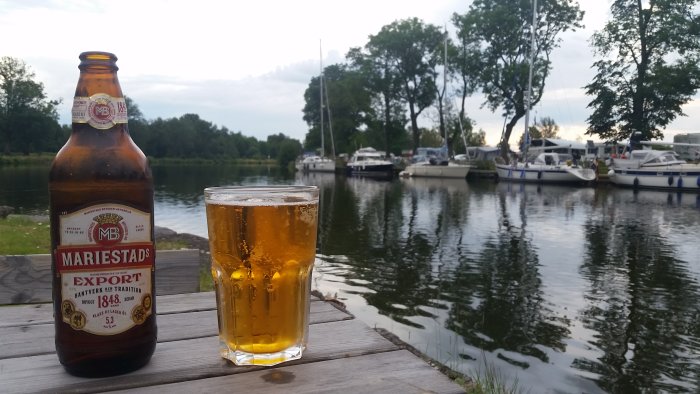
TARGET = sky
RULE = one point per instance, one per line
(245, 65)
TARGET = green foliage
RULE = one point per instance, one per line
(545, 128)
(414, 50)
(191, 137)
(431, 138)
(648, 67)
(28, 119)
(498, 34)
(288, 152)
(346, 111)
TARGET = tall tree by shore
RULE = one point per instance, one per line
(648, 68)
(28, 119)
(500, 32)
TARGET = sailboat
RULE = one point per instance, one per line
(547, 167)
(433, 162)
(320, 163)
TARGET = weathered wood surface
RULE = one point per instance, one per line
(27, 278)
(390, 372)
(344, 355)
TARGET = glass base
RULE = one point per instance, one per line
(239, 357)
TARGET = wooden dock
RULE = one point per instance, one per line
(344, 356)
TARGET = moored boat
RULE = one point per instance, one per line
(549, 167)
(370, 162)
(426, 168)
(654, 169)
(316, 164)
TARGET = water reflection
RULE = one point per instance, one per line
(643, 299)
(498, 301)
(25, 188)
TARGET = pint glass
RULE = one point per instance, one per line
(262, 241)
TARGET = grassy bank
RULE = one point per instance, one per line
(16, 159)
(22, 235)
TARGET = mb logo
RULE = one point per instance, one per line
(108, 229)
(109, 234)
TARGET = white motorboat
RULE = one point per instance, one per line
(654, 169)
(370, 162)
(549, 167)
(424, 167)
(316, 164)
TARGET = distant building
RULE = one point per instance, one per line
(684, 151)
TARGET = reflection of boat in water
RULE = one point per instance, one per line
(548, 192)
(626, 197)
(370, 162)
(316, 164)
(549, 167)
(655, 169)
(450, 184)
(321, 179)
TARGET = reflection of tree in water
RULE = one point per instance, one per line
(184, 183)
(643, 305)
(497, 298)
(394, 255)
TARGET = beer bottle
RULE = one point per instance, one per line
(103, 257)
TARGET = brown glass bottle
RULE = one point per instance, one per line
(103, 256)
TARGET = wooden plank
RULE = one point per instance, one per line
(179, 361)
(177, 271)
(391, 372)
(28, 314)
(27, 278)
(29, 340)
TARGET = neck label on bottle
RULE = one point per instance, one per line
(105, 258)
(100, 110)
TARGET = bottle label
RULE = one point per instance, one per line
(100, 111)
(105, 259)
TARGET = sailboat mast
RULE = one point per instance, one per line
(330, 122)
(320, 79)
(444, 90)
(533, 29)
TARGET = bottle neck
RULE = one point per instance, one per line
(99, 102)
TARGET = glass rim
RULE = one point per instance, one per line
(240, 189)
(264, 194)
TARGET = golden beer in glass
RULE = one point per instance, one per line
(263, 244)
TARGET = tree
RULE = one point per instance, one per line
(26, 115)
(463, 62)
(547, 127)
(347, 109)
(648, 68)
(402, 60)
(387, 117)
(500, 31)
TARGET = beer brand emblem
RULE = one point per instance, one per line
(107, 229)
(100, 111)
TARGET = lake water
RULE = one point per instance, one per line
(564, 289)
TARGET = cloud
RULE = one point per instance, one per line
(246, 65)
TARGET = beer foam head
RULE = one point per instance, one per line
(269, 195)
